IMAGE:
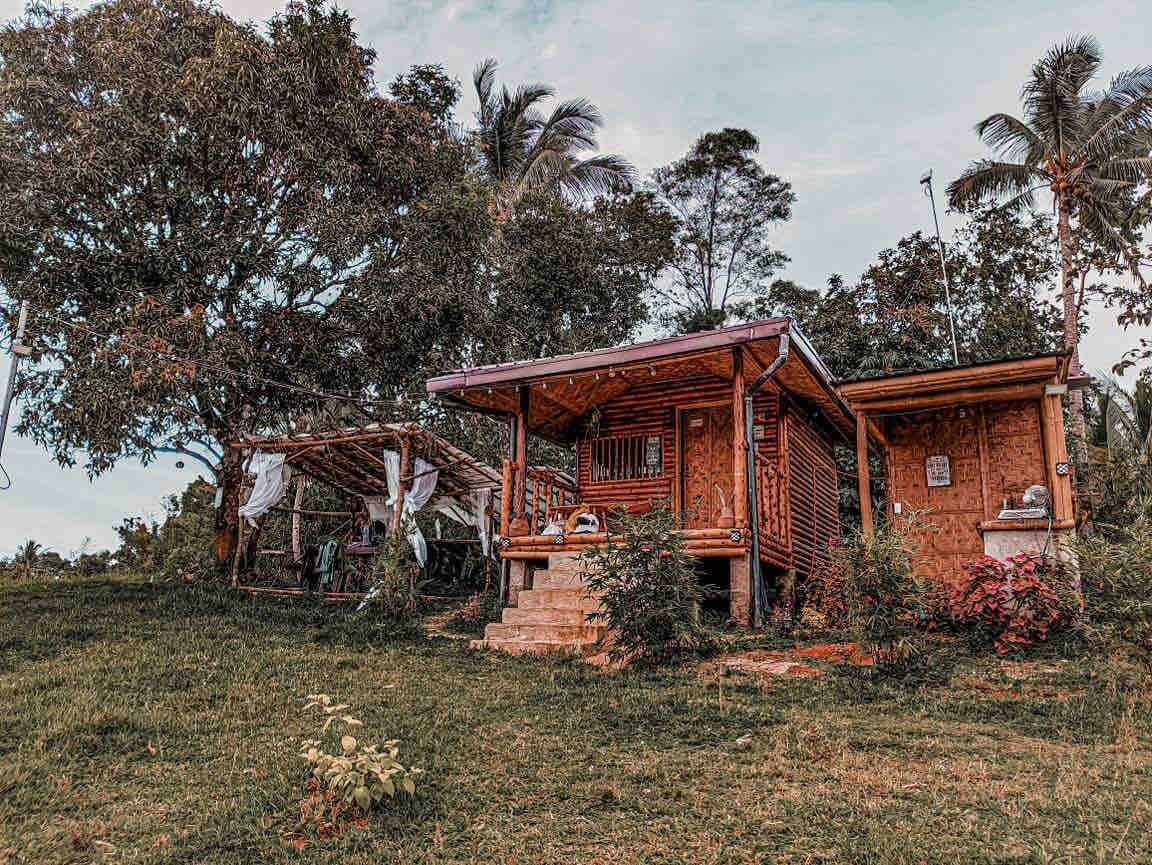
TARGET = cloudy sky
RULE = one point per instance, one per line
(852, 102)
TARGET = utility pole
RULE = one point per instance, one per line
(19, 351)
(926, 182)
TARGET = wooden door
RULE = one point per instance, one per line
(706, 454)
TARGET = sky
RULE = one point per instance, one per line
(852, 103)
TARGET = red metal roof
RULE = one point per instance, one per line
(618, 355)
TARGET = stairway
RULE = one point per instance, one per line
(552, 616)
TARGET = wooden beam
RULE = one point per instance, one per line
(519, 523)
(863, 474)
(955, 397)
(739, 443)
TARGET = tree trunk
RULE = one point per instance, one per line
(1071, 320)
(227, 514)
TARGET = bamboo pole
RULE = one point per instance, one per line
(297, 502)
(405, 457)
(739, 444)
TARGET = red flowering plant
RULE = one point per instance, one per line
(1015, 603)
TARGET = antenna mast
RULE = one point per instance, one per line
(926, 182)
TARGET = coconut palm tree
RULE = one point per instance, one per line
(1125, 417)
(523, 150)
(1089, 149)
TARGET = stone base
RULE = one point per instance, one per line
(740, 590)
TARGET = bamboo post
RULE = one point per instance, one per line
(863, 473)
(739, 444)
(405, 457)
(1056, 452)
(506, 497)
(236, 553)
(297, 503)
(519, 524)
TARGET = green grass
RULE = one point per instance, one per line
(531, 760)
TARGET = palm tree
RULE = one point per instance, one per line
(523, 150)
(1125, 418)
(1089, 149)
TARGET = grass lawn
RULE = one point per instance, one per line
(161, 726)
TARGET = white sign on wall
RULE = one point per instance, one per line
(938, 470)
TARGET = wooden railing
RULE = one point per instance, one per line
(773, 504)
(547, 490)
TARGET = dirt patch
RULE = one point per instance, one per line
(795, 662)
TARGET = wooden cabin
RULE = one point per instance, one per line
(963, 445)
(673, 420)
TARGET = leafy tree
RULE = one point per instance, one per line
(522, 150)
(725, 203)
(1089, 149)
(190, 205)
(894, 318)
(137, 544)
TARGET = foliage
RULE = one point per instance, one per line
(647, 587)
(1089, 148)
(894, 318)
(725, 203)
(1116, 578)
(825, 602)
(1016, 603)
(363, 775)
(190, 204)
(882, 598)
(392, 594)
(522, 150)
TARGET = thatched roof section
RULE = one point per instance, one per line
(350, 458)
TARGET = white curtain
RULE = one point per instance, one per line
(272, 478)
(423, 488)
(481, 500)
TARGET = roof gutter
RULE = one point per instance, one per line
(753, 486)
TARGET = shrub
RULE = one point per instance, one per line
(881, 598)
(1014, 604)
(392, 594)
(1116, 578)
(647, 588)
(825, 603)
(363, 776)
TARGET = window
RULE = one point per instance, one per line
(627, 457)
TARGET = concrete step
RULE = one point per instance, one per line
(545, 632)
(523, 647)
(545, 615)
(567, 597)
(550, 579)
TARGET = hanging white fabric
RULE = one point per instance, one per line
(272, 478)
(423, 488)
(481, 500)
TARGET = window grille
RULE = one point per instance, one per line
(627, 457)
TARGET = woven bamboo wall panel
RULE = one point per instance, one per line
(1015, 458)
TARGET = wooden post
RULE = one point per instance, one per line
(990, 511)
(236, 553)
(863, 474)
(297, 503)
(506, 497)
(1056, 451)
(519, 524)
(405, 470)
(739, 444)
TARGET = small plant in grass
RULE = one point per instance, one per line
(1116, 578)
(647, 588)
(1016, 603)
(356, 776)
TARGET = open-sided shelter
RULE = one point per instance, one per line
(734, 427)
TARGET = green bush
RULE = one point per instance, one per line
(1116, 580)
(883, 600)
(482, 607)
(647, 588)
(391, 597)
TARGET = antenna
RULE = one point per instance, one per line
(926, 182)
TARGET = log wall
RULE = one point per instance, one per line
(813, 499)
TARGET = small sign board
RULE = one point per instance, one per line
(938, 471)
(653, 452)
(758, 432)
(694, 422)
